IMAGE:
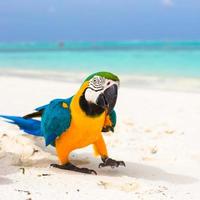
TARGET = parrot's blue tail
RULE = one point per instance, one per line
(30, 126)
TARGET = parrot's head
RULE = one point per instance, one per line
(101, 91)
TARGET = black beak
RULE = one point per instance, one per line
(107, 100)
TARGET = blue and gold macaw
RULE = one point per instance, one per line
(78, 121)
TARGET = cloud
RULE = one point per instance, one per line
(168, 3)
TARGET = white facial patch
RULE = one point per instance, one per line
(97, 85)
(91, 95)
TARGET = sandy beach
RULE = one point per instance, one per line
(157, 136)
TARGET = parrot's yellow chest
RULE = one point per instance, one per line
(84, 130)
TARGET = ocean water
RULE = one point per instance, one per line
(142, 58)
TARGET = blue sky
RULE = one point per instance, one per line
(99, 20)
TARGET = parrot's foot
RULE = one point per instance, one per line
(107, 129)
(72, 167)
(112, 163)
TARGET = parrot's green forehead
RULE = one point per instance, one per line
(106, 75)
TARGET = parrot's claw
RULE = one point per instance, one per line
(112, 163)
(72, 167)
(107, 129)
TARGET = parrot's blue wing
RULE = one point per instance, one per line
(55, 119)
(44, 106)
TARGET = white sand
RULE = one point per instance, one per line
(157, 135)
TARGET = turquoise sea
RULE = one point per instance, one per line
(155, 58)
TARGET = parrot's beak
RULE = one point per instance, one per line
(108, 98)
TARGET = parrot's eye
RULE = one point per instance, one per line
(97, 83)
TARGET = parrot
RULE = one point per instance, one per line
(78, 121)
